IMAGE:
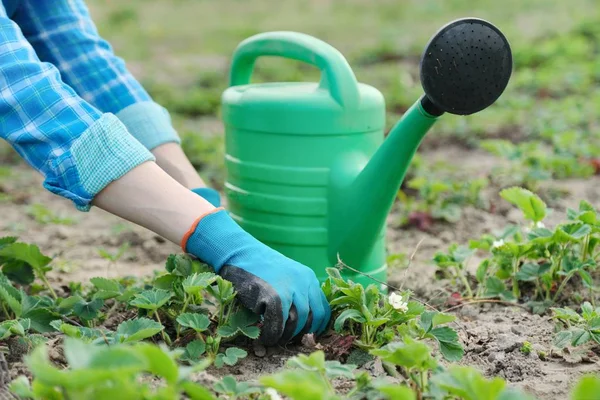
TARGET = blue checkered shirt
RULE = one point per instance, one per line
(68, 104)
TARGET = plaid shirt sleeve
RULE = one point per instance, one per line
(77, 148)
(63, 33)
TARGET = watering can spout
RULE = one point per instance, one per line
(360, 204)
(462, 80)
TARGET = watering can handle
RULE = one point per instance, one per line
(337, 76)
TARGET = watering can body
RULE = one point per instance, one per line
(290, 147)
(308, 170)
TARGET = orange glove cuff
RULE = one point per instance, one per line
(192, 229)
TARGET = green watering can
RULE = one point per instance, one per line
(308, 170)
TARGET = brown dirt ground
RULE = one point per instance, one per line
(492, 335)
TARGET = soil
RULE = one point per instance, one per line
(493, 335)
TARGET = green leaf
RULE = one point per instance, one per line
(441, 318)
(88, 310)
(494, 287)
(312, 362)
(194, 284)
(137, 329)
(562, 339)
(579, 337)
(6, 240)
(183, 265)
(65, 306)
(21, 387)
(11, 327)
(198, 322)
(196, 391)
(166, 281)
(41, 318)
(241, 322)
(350, 313)
(575, 231)
(482, 270)
(586, 278)
(587, 310)
(335, 369)
(594, 324)
(17, 271)
(532, 206)
(229, 386)
(298, 385)
(540, 235)
(87, 335)
(151, 299)
(231, 356)
(566, 314)
(468, 384)
(452, 351)
(426, 320)
(159, 362)
(409, 354)
(13, 303)
(194, 350)
(587, 388)
(531, 271)
(107, 288)
(447, 338)
(397, 392)
(27, 253)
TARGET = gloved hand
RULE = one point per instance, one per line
(209, 194)
(286, 293)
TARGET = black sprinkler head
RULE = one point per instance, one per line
(465, 67)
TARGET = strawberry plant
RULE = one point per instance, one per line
(376, 319)
(533, 257)
(577, 329)
(435, 193)
(187, 305)
(101, 372)
(534, 161)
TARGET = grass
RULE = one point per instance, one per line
(182, 51)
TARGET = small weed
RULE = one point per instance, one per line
(526, 348)
(43, 215)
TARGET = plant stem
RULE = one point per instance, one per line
(561, 287)
(162, 332)
(506, 303)
(5, 311)
(515, 282)
(221, 311)
(47, 284)
(331, 389)
(465, 282)
(586, 244)
(185, 303)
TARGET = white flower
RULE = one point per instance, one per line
(272, 393)
(538, 224)
(498, 243)
(397, 302)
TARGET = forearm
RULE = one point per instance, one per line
(171, 158)
(149, 197)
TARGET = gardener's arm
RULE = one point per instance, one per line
(62, 33)
(90, 157)
(77, 148)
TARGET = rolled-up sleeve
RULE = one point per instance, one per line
(76, 147)
(63, 33)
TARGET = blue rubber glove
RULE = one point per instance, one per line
(210, 195)
(286, 293)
